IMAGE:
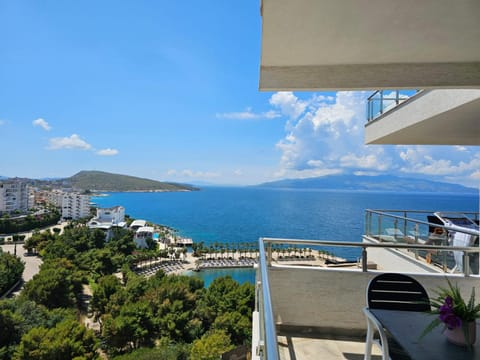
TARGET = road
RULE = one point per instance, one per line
(32, 263)
(28, 234)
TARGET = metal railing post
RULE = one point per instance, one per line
(381, 101)
(466, 264)
(269, 254)
(367, 223)
(258, 286)
(364, 259)
(379, 232)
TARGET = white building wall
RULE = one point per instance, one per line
(75, 205)
(13, 196)
(114, 215)
(30, 197)
(55, 197)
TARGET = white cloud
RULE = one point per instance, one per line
(72, 142)
(288, 104)
(192, 174)
(370, 161)
(199, 174)
(325, 135)
(238, 172)
(365, 173)
(42, 123)
(305, 173)
(439, 161)
(107, 152)
(475, 175)
(248, 114)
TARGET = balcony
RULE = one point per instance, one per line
(435, 117)
(309, 311)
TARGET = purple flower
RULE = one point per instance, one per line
(448, 316)
(444, 313)
(452, 321)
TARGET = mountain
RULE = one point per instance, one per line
(103, 181)
(372, 183)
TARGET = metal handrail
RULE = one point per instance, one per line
(367, 245)
(379, 97)
(384, 213)
(270, 343)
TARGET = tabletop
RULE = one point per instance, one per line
(406, 328)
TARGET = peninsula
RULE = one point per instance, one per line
(104, 181)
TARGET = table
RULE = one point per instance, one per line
(407, 326)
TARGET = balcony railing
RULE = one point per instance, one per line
(382, 101)
(265, 344)
(426, 228)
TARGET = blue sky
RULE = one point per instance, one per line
(169, 91)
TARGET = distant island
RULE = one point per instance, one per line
(369, 183)
(104, 181)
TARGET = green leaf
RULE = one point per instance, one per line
(430, 327)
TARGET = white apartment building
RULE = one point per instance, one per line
(75, 206)
(14, 196)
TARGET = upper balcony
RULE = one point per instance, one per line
(379, 44)
(434, 117)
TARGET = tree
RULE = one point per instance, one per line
(237, 325)
(122, 242)
(54, 286)
(38, 241)
(211, 346)
(66, 341)
(169, 351)
(11, 270)
(106, 287)
(133, 328)
(227, 305)
(10, 326)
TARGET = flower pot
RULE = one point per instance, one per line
(464, 335)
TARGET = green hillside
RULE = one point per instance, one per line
(103, 181)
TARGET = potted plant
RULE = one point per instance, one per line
(457, 316)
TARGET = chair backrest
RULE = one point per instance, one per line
(433, 220)
(392, 291)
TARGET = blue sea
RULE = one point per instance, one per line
(244, 214)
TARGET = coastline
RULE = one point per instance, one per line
(191, 263)
(102, 193)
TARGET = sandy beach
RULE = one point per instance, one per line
(191, 263)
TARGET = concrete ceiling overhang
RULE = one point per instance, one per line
(374, 44)
(436, 117)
